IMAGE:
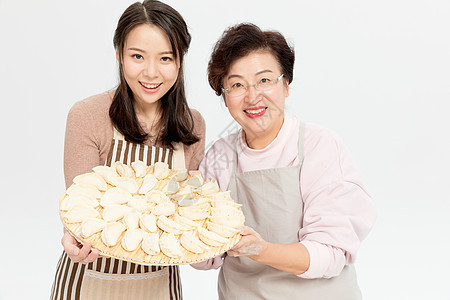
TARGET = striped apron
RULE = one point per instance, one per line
(109, 278)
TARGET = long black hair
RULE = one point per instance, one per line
(176, 122)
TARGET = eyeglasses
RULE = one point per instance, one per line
(239, 89)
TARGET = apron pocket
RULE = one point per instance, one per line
(97, 285)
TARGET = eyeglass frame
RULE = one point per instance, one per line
(255, 85)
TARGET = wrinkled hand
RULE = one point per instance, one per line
(251, 243)
(76, 252)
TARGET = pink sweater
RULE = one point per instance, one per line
(89, 132)
(338, 211)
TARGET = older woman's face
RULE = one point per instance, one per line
(260, 113)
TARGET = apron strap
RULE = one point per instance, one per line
(178, 157)
(118, 135)
(234, 161)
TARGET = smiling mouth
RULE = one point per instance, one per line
(150, 86)
(254, 111)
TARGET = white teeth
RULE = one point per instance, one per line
(150, 86)
(254, 112)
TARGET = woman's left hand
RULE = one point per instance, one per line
(251, 243)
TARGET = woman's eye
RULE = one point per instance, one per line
(237, 85)
(137, 56)
(265, 80)
(166, 58)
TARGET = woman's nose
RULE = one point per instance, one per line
(252, 94)
(151, 69)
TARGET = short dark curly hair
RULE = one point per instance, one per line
(242, 39)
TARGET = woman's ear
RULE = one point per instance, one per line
(118, 56)
(286, 89)
(224, 99)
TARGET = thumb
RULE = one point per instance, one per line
(245, 230)
(75, 250)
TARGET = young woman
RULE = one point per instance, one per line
(146, 118)
(306, 208)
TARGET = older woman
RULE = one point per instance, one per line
(306, 208)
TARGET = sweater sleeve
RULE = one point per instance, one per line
(195, 153)
(338, 211)
(81, 149)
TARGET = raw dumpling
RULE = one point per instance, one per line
(84, 190)
(229, 215)
(132, 239)
(226, 210)
(80, 213)
(172, 187)
(115, 212)
(139, 203)
(150, 244)
(208, 188)
(157, 196)
(192, 243)
(148, 184)
(140, 168)
(193, 213)
(78, 200)
(131, 220)
(112, 232)
(169, 225)
(221, 230)
(123, 170)
(106, 172)
(91, 179)
(161, 170)
(198, 202)
(127, 184)
(166, 209)
(170, 246)
(231, 221)
(201, 203)
(115, 195)
(189, 224)
(185, 193)
(221, 196)
(148, 222)
(224, 203)
(211, 238)
(195, 181)
(91, 226)
(187, 201)
(180, 175)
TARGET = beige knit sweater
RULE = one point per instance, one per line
(89, 133)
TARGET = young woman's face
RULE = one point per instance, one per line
(260, 113)
(149, 64)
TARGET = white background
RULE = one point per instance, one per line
(375, 72)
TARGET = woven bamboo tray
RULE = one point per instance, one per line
(138, 256)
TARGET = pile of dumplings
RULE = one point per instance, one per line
(151, 214)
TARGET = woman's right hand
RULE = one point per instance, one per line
(77, 253)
